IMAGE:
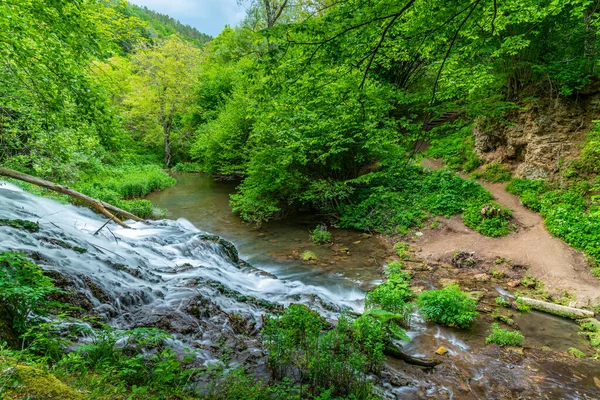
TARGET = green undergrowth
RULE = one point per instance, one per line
(456, 148)
(396, 199)
(489, 218)
(493, 172)
(572, 208)
(504, 337)
(122, 186)
(449, 306)
(320, 235)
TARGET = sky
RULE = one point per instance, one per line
(208, 16)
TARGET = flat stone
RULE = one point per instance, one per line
(513, 283)
(481, 277)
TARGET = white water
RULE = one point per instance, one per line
(166, 262)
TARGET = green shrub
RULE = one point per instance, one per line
(449, 306)
(576, 352)
(187, 167)
(396, 201)
(504, 337)
(502, 302)
(24, 290)
(494, 172)
(457, 149)
(393, 295)
(320, 235)
(338, 359)
(489, 218)
(401, 249)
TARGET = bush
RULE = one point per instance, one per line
(457, 149)
(320, 235)
(489, 218)
(393, 295)
(504, 337)
(338, 359)
(24, 290)
(494, 172)
(449, 306)
(396, 201)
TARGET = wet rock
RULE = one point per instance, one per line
(228, 247)
(513, 283)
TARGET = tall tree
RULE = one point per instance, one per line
(162, 89)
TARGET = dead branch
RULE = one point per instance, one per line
(97, 205)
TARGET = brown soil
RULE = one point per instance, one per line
(549, 259)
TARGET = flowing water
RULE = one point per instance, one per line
(172, 275)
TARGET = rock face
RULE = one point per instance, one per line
(539, 140)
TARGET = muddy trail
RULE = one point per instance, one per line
(546, 257)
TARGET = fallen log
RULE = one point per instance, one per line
(557, 309)
(97, 205)
(393, 351)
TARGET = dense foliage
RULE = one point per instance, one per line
(449, 306)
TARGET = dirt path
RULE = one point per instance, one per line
(549, 259)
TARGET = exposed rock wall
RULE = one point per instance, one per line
(540, 140)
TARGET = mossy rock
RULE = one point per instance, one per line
(29, 226)
(36, 384)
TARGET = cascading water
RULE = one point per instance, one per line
(159, 273)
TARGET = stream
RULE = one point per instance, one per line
(173, 274)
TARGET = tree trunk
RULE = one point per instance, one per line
(591, 46)
(167, 140)
(97, 205)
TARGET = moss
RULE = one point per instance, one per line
(576, 352)
(21, 224)
(309, 256)
(34, 383)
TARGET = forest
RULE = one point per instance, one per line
(328, 108)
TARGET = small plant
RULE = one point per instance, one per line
(24, 290)
(320, 235)
(494, 172)
(450, 306)
(502, 302)
(489, 218)
(501, 317)
(309, 256)
(393, 295)
(576, 352)
(497, 274)
(504, 337)
(522, 306)
(401, 249)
